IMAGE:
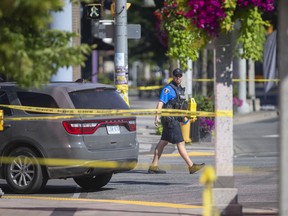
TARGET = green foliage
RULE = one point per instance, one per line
(30, 52)
(204, 103)
(252, 29)
(252, 34)
(184, 43)
(105, 78)
(184, 39)
(228, 22)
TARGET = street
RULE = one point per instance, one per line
(255, 170)
(257, 138)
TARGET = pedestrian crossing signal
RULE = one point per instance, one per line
(94, 11)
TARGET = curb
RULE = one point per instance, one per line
(254, 117)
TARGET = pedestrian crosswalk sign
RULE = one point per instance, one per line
(94, 11)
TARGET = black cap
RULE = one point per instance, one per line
(177, 71)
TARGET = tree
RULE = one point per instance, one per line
(30, 52)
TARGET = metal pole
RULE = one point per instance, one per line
(189, 80)
(121, 49)
(283, 65)
(251, 83)
(95, 67)
(204, 71)
(242, 92)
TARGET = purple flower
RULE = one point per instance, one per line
(207, 124)
(237, 102)
(206, 15)
(264, 5)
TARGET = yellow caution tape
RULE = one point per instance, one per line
(256, 80)
(150, 87)
(239, 80)
(224, 113)
(208, 178)
(1, 120)
(203, 80)
(38, 118)
(73, 162)
(155, 87)
(122, 87)
(102, 112)
(62, 162)
(109, 112)
(123, 92)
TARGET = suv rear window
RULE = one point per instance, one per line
(37, 100)
(98, 99)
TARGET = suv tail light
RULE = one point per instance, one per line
(89, 127)
(132, 125)
(80, 127)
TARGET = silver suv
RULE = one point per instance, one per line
(72, 146)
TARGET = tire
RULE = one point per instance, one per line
(24, 174)
(94, 182)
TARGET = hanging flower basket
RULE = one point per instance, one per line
(186, 26)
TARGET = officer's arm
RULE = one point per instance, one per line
(157, 117)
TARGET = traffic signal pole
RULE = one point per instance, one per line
(121, 49)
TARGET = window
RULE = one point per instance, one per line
(36, 100)
(98, 99)
(4, 100)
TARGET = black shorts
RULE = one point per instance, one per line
(172, 131)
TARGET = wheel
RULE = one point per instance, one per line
(24, 174)
(94, 182)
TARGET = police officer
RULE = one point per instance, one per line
(172, 97)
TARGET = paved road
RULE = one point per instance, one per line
(176, 193)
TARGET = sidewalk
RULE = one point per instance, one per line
(41, 206)
(146, 131)
(88, 207)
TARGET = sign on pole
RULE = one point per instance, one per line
(93, 11)
(102, 31)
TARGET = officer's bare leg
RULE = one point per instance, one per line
(158, 152)
(183, 152)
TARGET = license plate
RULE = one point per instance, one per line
(113, 129)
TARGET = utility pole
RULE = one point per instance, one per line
(120, 31)
(121, 49)
(283, 65)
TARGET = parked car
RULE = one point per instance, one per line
(29, 141)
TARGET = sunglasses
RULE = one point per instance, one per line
(178, 75)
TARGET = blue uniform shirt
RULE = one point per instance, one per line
(167, 94)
